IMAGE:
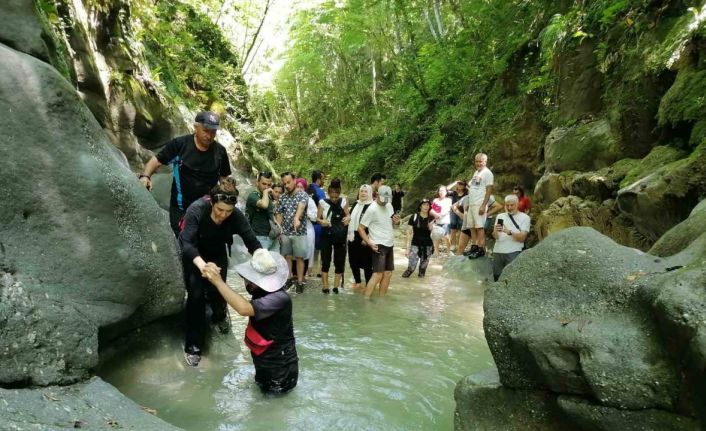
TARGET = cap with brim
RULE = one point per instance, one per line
(208, 119)
(266, 269)
(385, 192)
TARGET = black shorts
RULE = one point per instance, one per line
(384, 259)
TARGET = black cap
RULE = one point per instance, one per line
(208, 119)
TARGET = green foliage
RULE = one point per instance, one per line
(191, 57)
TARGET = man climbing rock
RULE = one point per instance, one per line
(198, 163)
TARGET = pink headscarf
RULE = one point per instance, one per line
(301, 181)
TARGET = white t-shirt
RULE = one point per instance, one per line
(379, 223)
(476, 190)
(445, 212)
(505, 244)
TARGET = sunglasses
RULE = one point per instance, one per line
(266, 174)
(222, 197)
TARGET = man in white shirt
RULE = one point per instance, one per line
(510, 233)
(376, 230)
(479, 190)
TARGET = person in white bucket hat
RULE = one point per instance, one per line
(270, 330)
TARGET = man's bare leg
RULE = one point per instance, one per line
(300, 270)
(289, 264)
(377, 276)
(385, 283)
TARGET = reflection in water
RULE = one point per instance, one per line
(391, 363)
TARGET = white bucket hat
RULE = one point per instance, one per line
(266, 269)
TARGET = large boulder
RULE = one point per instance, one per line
(664, 197)
(584, 147)
(681, 235)
(94, 405)
(22, 28)
(618, 334)
(83, 246)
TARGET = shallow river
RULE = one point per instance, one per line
(387, 364)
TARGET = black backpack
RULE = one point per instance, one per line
(337, 233)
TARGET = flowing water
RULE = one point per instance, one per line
(386, 364)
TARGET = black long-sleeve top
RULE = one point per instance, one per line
(203, 237)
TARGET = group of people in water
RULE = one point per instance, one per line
(286, 226)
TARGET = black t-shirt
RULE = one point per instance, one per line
(203, 237)
(273, 320)
(397, 199)
(421, 235)
(195, 171)
(259, 217)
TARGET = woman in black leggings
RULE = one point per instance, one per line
(359, 254)
(333, 216)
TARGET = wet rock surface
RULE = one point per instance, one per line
(83, 247)
(94, 405)
(615, 333)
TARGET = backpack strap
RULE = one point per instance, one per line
(514, 222)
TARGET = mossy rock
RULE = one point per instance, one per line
(665, 197)
(683, 234)
(585, 147)
(658, 157)
(686, 99)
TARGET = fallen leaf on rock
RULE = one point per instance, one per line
(635, 275)
(565, 322)
(582, 324)
(50, 397)
(113, 423)
(150, 410)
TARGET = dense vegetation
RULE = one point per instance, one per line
(415, 88)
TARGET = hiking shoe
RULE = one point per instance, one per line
(299, 287)
(325, 291)
(290, 282)
(421, 274)
(479, 253)
(407, 272)
(335, 290)
(192, 359)
(473, 250)
(224, 326)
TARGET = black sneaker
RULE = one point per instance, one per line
(407, 272)
(478, 253)
(290, 282)
(325, 291)
(300, 287)
(335, 290)
(421, 274)
(192, 359)
(224, 326)
(473, 250)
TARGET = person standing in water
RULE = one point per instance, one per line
(419, 244)
(270, 331)
(376, 229)
(333, 216)
(359, 254)
(209, 226)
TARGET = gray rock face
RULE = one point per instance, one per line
(83, 246)
(681, 235)
(94, 405)
(21, 29)
(585, 147)
(618, 334)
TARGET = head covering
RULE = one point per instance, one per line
(208, 119)
(385, 193)
(355, 215)
(266, 269)
(301, 181)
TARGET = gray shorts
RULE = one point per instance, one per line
(384, 259)
(268, 243)
(295, 245)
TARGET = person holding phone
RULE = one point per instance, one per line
(510, 233)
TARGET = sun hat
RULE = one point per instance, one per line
(266, 269)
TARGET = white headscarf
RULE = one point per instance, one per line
(355, 215)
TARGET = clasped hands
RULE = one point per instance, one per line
(211, 271)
